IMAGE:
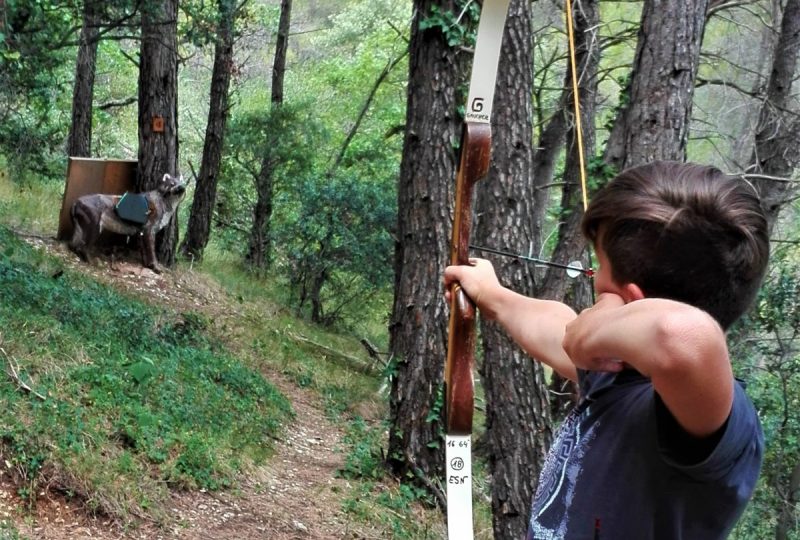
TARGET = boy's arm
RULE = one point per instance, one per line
(535, 325)
(681, 348)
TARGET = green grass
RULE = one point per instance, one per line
(269, 334)
(8, 531)
(137, 399)
(29, 204)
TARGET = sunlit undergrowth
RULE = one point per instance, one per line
(116, 444)
(267, 333)
(123, 400)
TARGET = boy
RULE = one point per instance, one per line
(664, 443)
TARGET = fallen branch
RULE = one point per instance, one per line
(374, 353)
(357, 363)
(435, 489)
(14, 375)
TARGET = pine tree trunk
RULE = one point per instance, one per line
(258, 253)
(655, 123)
(787, 521)
(545, 158)
(518, 430)
(281, 48)
(79, 143)
(570, 244)
(205, 195)
(260, 247)
(418, 326)
(158, 108)
(776, 150)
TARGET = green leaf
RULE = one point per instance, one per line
(143, 370)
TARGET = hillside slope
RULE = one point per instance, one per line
(296, 493)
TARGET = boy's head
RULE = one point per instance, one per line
(685, 232)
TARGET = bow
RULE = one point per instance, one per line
(476, 148)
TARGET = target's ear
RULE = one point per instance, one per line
(165, 178)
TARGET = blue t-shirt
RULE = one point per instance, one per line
(621, 468)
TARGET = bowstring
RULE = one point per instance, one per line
(576, 102)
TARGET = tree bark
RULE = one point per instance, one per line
(518, 429)
(79, 143)
(742, 148)
(570, 243)
(418, 326)
(205, 194)
(260, 246)
(787, 521)
(545, 158)
(281, 48)
(158, 108)
(655, 123)
(776, 151)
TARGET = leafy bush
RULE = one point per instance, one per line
(363, 458)
(766, 348)
(338, 247)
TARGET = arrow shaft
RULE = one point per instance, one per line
(585, 271)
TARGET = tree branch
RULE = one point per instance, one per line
(13, 373)
(364, 109)
(117, 103)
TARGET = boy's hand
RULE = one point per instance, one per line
(536, 325)
(479, 281)
(580, 338)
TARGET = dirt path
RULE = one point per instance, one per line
(296, 495)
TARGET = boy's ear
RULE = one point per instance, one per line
(631, 292)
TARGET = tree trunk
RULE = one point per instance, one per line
(742, 147)
(655, 123)
(79, 143)
(158, 108)
(418, 328)
(260, 248)
(776, 150)
(518, 429)
(258, 254)
(787, 522)
(545, 158)
(205, 194)
(281, 48)
(570, 244)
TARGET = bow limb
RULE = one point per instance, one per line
(474, 165)
(476, 146)
(459, 383)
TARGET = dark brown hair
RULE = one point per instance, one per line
(685, 232)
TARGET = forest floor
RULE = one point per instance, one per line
(295, 495)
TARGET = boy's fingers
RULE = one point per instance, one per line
(451, 274)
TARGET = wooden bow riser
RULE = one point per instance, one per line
(459, 384)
